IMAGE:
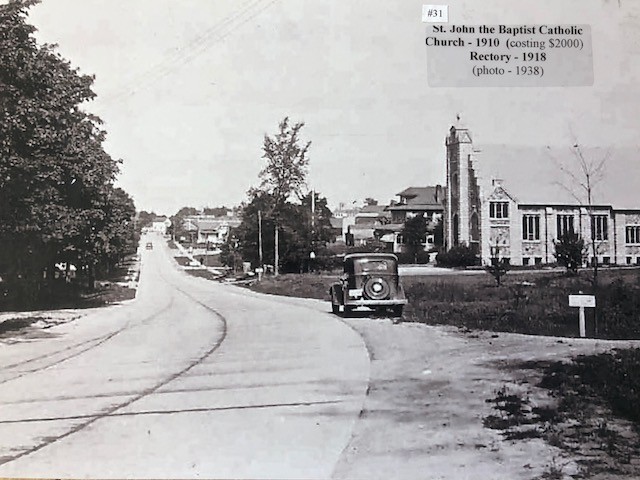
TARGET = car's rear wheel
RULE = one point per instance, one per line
(397, 310)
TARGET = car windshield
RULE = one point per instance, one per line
(375, 265)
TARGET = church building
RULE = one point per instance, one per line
(514, 202)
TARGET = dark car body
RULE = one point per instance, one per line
(369, 280)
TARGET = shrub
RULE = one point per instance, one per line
(458, 256)
(570, 251)
(498, 269)
(420, 257)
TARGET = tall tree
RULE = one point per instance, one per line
(55, 177)
(302, 231)
(581, 177)
(285, 172)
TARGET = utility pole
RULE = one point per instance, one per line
(312, 254)
(313, 209)
(277, 257)
(260, 237)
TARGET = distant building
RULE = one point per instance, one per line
(336, 228)
(160, 225)
(514, 202)
(209, 229)
(414, 201)
(362, 224)
(427, 201)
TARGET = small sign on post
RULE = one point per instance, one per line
(582, 301)
(259, 271)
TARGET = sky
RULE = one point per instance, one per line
(187, 90)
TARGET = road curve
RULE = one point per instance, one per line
(192, 379)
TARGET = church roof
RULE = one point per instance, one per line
(533, 175)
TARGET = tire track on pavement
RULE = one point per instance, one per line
(99, 341)
(146, 392)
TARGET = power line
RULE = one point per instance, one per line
(157, 70)
(196, 47)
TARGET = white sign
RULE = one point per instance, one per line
(582, 301)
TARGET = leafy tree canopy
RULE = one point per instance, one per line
(287, 161)
(57, 197)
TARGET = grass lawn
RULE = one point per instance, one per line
(527, 302)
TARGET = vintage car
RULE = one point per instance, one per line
(369, 280)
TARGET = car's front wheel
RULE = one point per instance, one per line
(397, 310)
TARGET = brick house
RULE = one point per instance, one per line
(427, 201)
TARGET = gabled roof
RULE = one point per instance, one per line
(532, 175)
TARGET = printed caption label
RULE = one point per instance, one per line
(509, 56)
(435, 13)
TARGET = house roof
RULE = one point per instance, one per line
(379, 209)
(423, 195)
(415, 207)
(391, 227)
(211, 224)
(532, 175)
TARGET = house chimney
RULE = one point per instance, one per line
(438, 193)
(496, 182)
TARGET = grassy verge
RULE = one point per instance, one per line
(297, 285)
(203, 274)
(528, 302)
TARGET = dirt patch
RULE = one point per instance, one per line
(593, 414)
(29, 325)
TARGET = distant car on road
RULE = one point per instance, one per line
(149, 246)
(369, 280)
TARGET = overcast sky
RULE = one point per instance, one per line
(188, 88)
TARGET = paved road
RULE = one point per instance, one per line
(190, 379)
